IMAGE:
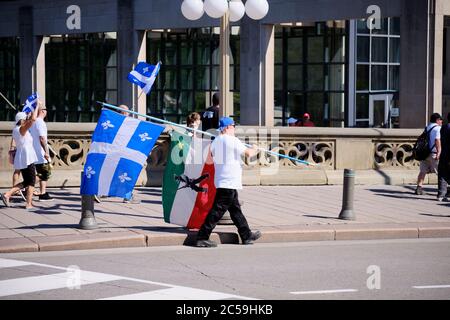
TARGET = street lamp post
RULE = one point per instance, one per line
(226, 10)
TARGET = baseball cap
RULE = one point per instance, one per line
(21, 116)
(291, 120)
(306, 115)
(225, 122)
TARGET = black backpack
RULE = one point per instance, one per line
(421, 149)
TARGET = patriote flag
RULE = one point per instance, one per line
(188, 183)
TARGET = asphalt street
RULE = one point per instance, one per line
(382, 269)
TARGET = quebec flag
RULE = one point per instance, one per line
(120, 147)
(31, 103)
(144, 75)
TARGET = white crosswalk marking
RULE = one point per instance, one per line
(62, 280)
(177, 293)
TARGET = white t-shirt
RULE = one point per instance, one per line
(227, 151)
(434, 134)
(25, 154)
(39, 129)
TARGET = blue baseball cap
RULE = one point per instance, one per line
(225, 122)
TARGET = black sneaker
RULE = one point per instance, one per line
(253, 236)
(45, 197)
(206, 244)
(419, 191)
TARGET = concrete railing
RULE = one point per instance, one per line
(378, 155)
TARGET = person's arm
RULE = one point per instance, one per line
(250, 152)
(29, 122)
(438, 148)
(12, 144)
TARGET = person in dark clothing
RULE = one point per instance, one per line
(444, 163)
(210, 117)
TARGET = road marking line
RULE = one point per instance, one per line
(50, 282)
(66, 278)
(325, 291)
(180, 293)
(432, 287)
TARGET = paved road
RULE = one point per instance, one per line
(382, 269)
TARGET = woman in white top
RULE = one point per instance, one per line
(25, 157)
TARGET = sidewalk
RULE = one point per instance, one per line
(282, 213)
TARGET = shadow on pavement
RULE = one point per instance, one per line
(321, 217)
(433, 215)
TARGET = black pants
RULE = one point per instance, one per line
(225, 200)
(443, 177)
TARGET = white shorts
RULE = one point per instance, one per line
(429, 165)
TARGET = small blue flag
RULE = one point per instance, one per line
(144, 75)
(120, 147)
(31, 103)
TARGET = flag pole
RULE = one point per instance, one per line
(7, 101)
(200, 131)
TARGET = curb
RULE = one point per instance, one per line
(131, 239)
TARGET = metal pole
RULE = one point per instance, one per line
(87, 221)
(347, 198)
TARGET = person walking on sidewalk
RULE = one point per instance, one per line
(430, 165)
(43, 169)
(210, 117)
(444, 163)
(25, 158)
(227, 150)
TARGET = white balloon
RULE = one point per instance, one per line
(216, 8)
(256, 9)
(192, 9)
(237, 10)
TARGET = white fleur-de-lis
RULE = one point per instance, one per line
(89, 172)
(107, 124)
(144, 136)
(124, 177)
(145, 69)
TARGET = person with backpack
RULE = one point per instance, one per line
(433, 139)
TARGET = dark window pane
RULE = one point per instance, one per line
(186, 53)
(394, 50)
(295, 50)
(295, 105)
(315, 77)
(336, 47)
(363, 49)
(379, 49)
(362, 27)
(394, 78)
(315, 107)
(278, 105)
(170, 102)
(278, 83)
(315, 49)
(336, 109)
(362, 77)
(171, 53)
(202, 78)
(395, 26)
(295, 78)
(362, 106)
(379, 78)
(278, 50)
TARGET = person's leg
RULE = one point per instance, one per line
(424, 169)
(15, 178)
(238, 218)
(442, 184)
(221, 203)
(29, 180)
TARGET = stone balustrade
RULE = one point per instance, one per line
(378, 155)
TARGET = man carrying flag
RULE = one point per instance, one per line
(120, 147)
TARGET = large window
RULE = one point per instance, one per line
(377, 64)
(310, 63)
(189, 73)
(79, 70)
(9, 77)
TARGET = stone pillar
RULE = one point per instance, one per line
(257, 73)
(31, 57)
(422, 25)
(131, 48)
